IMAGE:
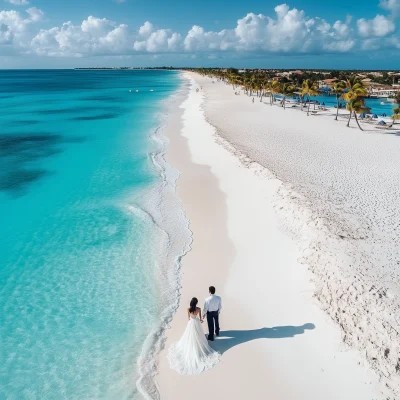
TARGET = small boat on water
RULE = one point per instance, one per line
(382, 103)
(151, 90)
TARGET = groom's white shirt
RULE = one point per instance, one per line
(212, 303)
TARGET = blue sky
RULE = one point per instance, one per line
(252, 33)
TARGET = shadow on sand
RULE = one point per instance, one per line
(229, 339)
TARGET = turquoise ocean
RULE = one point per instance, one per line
(377, 106)
(80, 286)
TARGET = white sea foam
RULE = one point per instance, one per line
(164, 208)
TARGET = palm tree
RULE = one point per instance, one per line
(395, 116)
(264, 88)
(309, 88)
(286, 89)
(246, 84)
(268, 88)
(354, 95)
(233, 79)
(338, 89)
(396, 111)
(357, 105)
(239, 81)
(275, 89)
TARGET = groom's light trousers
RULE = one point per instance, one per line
(212, 319)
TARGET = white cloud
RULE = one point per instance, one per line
(341, 29)
(35, 14)
(96, 36)
(18, 2)
(287, 31)
(199, 40)
(156, 41)
(118, 39)
(93, 37)
(15, 30)
(391, 5)
(371, 44)
(290, 31)
(96, 27)
(377, 27)
(394, 42)
(146, 29)
(387, 43)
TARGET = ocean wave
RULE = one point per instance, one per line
(165, 210)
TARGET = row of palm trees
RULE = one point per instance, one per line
(351, 90)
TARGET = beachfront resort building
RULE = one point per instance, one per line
(381, 90)
(327, 83)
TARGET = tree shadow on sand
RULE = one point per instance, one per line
(229, 339)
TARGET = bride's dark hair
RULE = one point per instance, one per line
(193, 305)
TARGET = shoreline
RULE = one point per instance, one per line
(164, 208)
(309, 353)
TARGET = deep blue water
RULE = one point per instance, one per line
(78, 266)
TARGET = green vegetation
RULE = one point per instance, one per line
(355, 94)
(309, 88)
(396, 111)
(338, 90)
(351, 86)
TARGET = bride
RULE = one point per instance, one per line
(192, 354)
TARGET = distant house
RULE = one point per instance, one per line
(327, 83)
(381, 90)
(366, 82)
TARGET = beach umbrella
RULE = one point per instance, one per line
(382, 122)
(374, 116)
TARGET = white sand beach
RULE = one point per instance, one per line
(276, 202)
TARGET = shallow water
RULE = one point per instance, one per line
(79, 258)
(377, 106)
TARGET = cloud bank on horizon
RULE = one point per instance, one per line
(286, 31)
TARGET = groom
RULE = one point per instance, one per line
(212, 308)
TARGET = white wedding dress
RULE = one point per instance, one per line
(192, 354)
